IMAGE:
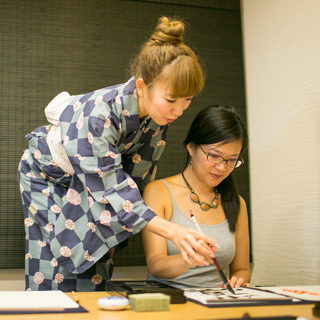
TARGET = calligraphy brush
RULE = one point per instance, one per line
(222, 275)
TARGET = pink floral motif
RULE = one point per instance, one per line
(73, 197)
(127, 229)
(118, 99)
(49, 227)
(99, 172)
(87, 256)
(120, 127)
(154, 172)
(104, 201)
(33, 209)
(38, 278)
(31, 175)
(126, 113)
(136, 158)
(21, 188)
(131, 183)
(111, 154)
(45, 192)
(65, 140)
(28, 222)
(76, 106)
(79, 156)
(37, 154)
(161, 143)
(69, 224)
(58, 278)
(92, 226)
(156, 132)
(128, 145)
(98, 100)
(144, 175)
(80, 121)
(25, 155)
(105, 218)
(42, 175)
(88, 189)
(65, 251)
(53, 164)
(96, 279)
(54, 262)
(107, 123)
(145, 130)
(28, 256)
(127, 206)
(90, 137)
(55, 208)
(41, 243)
(90, 200)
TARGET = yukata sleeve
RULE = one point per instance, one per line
(103, 202)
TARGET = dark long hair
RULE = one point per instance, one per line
(214, 125)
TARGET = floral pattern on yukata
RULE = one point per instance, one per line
(72, 221)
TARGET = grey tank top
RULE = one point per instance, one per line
(201, 276)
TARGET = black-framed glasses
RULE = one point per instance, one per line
(231, 163)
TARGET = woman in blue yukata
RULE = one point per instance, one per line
(81, 177)
(206, 187)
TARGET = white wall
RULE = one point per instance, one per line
(282, 67)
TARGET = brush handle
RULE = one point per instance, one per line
(223, 276)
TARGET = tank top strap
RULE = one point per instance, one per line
(174, 205)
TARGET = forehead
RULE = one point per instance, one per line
(233, 147)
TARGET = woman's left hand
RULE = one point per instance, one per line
(237, 282)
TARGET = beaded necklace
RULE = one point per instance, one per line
(204, 206)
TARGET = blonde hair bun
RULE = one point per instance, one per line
(168, 31)
(165, 57)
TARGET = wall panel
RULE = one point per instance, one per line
(78, 46)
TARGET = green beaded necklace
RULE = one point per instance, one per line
(204, 206)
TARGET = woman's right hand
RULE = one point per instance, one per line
(196, 248)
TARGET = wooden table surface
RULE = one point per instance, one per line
(186, 311)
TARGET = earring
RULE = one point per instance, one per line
(191, 163)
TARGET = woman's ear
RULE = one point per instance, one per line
(190, 148)
(141, 87)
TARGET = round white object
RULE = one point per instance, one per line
(113, 303)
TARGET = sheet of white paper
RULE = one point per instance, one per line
(35, 300)
(218, 295)
(300, 292)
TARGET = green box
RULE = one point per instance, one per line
(149, 302)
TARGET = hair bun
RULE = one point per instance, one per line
(168, 31)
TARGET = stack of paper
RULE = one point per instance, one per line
(35, 300)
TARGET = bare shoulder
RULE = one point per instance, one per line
(155, 192)
(243, 214)
(159, 185)
(156, 185)
(243, 204)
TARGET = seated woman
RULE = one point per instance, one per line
(214, 143)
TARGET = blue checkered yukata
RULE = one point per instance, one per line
(74, 216)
